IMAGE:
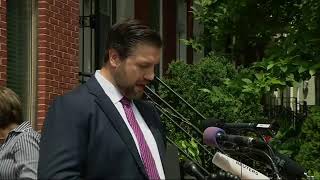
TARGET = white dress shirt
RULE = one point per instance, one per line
(115, 97)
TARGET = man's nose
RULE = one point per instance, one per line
(149, 74)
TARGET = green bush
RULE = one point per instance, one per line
(309, 154)
(204, 86)
(302, 142)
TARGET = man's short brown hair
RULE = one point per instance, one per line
(126, 35)
(10, 107)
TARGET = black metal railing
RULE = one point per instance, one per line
(287, 109)
(182, 125)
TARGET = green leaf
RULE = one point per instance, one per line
(191, 152)
(312, 72)
(259, 76)
(183, 145)
(290, 77)
(205, 90)
(296, 84)
(290, 49)
(246, 80)
(284, 68)
(246, 90)
(277, 81)
(193, 144)
(267, 88)
(302, 69)
(270, 66)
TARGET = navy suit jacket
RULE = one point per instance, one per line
(84, 137)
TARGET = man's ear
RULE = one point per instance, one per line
(114, 58)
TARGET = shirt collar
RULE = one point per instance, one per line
(22, 127)
(113, 93)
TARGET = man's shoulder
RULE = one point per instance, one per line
(79, 96)
(81, 92)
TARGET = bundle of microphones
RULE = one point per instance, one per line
(215, 136)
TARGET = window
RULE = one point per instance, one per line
(21, 53)
(96, 18)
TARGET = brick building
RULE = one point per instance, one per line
(46, 46)
(39, 51)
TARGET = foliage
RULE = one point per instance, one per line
(252, 30)
(302, 142)
(191, 148)
(283, 34)
(203, 86)
(309, 153)
(276, 43)
(271, 75)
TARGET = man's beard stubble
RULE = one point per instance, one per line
(129, 91)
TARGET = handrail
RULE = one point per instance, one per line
(181, 128)
(175, 111)
(165, 85)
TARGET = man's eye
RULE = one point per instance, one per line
(143, 65)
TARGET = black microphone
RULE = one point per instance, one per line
(192, 169)
(288, 167)
(212, 136)
(217, 123)
(222, 175)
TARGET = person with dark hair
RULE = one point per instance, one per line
(19, 153)
(103, 129)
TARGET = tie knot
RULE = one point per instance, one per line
(125, 101)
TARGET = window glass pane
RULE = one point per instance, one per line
(97, 17)
(87, 33)
(125, 9)
(19, 47)
(104, 22)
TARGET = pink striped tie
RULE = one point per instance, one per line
(146, 155)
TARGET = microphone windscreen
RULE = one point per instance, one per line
(210, 136)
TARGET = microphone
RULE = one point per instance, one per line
(222, 175)
(237, 168)
(192, 169)
(213, 135)
(217, 123)
(287, 167)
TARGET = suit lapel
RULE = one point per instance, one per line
(148, 116)
(113, 115)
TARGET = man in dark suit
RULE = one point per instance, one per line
(101, 130)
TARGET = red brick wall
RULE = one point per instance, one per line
(3, 42)
(58, 51)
